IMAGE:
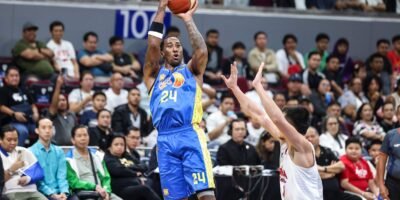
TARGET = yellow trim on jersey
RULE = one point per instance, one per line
(197, 108)
(206, 155)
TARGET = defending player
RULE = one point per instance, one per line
(299, 177)
(175, 89)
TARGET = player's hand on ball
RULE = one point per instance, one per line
(189, 14)
(258, 77)
(232, 81)
(163, 4)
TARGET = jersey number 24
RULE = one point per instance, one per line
(169, 95)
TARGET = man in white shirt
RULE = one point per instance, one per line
(289, 59)
(64, 52)
(255, 130)
(80, 99)
(21, 169)
(252, 94)
(116, 95)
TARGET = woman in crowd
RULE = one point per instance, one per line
(127, 179)
(332, 137)
(268, 150)
(366, 127)
(341, 51)
(321, 100)
(373, 91)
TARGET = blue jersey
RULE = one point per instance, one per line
(175, 99)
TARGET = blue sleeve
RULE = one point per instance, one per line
(385, 148)
(84, 119)
(35, 172)
(81, 53)
(62, 172)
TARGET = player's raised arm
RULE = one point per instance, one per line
(249, 106)
(153, 54)
(297, 140)
(200, 54)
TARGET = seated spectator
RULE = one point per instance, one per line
(252, 94)
(64, 53)
(334, 110)
(354, 96)
(98, 62)
(377, 69)
(346, 65)
(83, 163)
(387, 123)
(236, 151)
(260, 53)
(17, 107)
(366, 126)
(280, 100)
(321, 98)
(116, 95)
(268, 150)
(255, 130)
(311, 76)
(174, 31)
(20, 168)
(373, 5)
(101, 134)
(31, 55)
(357, 176)
(322, 43)
(388, 176)
(332, 138)
(131, 114)
(217, 122)
(80, 99)
(294, 87)
(89, 117)
(394, 54)
(63, 119)
(124, 63)
(213, 71)
(372, 89)
(306, 103)
(52, 159)
(126, 175)
(321, 4)
(133, 139)
(382, 48)
(208, 99)
(373, 152)
(239, 56)
(333, 73)
(292, 102)
(290, 61)
(328, 168)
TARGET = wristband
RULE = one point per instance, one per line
(156, 30)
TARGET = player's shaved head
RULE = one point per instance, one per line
(172, 51)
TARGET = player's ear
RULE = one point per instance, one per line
(162, 54)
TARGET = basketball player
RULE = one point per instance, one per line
(175, 104)
(299, 177)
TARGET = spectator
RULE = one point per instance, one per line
(396, 93)
(17, 107)
(322, 43)
(260, 53)
(290, 61)
(131, 114)
(373, 5)
(116, 95)
(208, 98)
(101, 134)
(62, 118)
(382, 48)
(311, 76)
(372, 89)
(239, 56)
(215, 53)
(64, 53)
(332, 138)
(366, 127)
(280, 100)
(377, 69)
(124, 63)
(292, 102)
(346, 65)
(80, 99)
(89, 118)
(174, 31)
(52, 159)
(18, 165)
(252, 94)
(321, 4)
(83, 163)
(294, 87)
(306, 103)
(218, 122)
(390, 153)
(328, 168)
(236, 151)
(133, 140)
(333, 73)
(334, 110)
(255, 130)
(354, 96)
(31, 55)
(373, 152)
(321, 98)
(357, 176)
(98, 62)
(126, 177)
(387, 122)
(394, 54)
(268, 150)
(360, 70)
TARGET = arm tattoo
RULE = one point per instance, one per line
(196, 39)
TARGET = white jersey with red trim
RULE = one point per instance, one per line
(298, 183)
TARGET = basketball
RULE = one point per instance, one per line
(180, 6)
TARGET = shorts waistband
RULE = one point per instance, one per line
(176, 130)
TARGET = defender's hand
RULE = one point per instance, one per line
(258, 77)
(232, 81)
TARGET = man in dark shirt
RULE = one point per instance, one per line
(130, 114)
(124, 63)
(101, 134)
(333, 73)
(17, 107)
(388, 114)
(239, 56)
(236, 151)
(311, 76)
(213, 71)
